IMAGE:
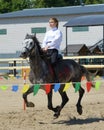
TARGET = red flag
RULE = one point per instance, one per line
(47, 88)
(88, 84)
(1, 78)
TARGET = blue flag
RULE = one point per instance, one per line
(15, 88)
(56, 87)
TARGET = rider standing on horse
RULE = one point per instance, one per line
(52, 41)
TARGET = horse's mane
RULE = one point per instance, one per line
(37, 42)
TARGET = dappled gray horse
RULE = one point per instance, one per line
(67, 70)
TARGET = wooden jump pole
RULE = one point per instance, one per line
(24, 77)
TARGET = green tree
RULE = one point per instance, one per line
(71, 2)
(93, 1)
(49, 3)
(13, 5)
(5, 6)
(20, 4)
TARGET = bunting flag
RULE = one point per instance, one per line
(77, 86)
(97, 76)
(5, 76)
(102, 77)
(1, 78)
(92, 78)
(18, 76)
(4, 87)
(97, 85)
(15, 88)
(56, 87)
(83, 78)
(25, 88)
(49, 85)
(88, 85)
(36, 88)
(11, 77)
(47, 88)
(67, 85)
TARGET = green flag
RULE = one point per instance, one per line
(5, 76)
(77, 86)
(4, 87)
(97, 85)
(36, 88)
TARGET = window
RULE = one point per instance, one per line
(38, 30)
(3, 31)
(80, 29)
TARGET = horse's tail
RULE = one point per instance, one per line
(89, 76)
(85, 73)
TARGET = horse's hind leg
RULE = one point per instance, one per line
(30, 90)
(49, 96)
(78, 105)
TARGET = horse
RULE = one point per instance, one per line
(67, 70)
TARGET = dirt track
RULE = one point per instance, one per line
(13, 117)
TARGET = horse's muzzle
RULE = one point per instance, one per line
(23, 55)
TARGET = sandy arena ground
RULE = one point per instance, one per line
(14, 117)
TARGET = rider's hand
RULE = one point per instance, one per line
(45, 49)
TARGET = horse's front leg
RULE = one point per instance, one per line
(30, 90)
(50, 105)
(65, 99)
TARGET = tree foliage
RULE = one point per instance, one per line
(5, 6)
(20, 4)
(93, 1)
(14, 5)
(49, 3)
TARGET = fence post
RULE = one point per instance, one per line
(14, 69)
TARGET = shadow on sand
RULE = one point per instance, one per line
(74, 121)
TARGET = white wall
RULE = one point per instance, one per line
(89, 38)
(18, 27)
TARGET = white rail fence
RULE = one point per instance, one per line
(14, 64)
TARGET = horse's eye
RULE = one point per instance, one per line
(31, 43)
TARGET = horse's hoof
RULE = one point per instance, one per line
(56, 115)
(79, 110)
(56, 109)
(30, 104)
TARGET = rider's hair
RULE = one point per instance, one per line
(55, 20)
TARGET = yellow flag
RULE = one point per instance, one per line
(97, 76)
(11, 76)
(67, 85)
(25, 88)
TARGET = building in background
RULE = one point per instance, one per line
(15, 25)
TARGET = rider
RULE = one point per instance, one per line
(52, 41)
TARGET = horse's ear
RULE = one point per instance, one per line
(26, 35)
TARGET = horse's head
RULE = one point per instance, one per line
(30, 46)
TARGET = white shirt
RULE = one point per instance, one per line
(53, 39)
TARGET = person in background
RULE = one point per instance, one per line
(52, 41)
